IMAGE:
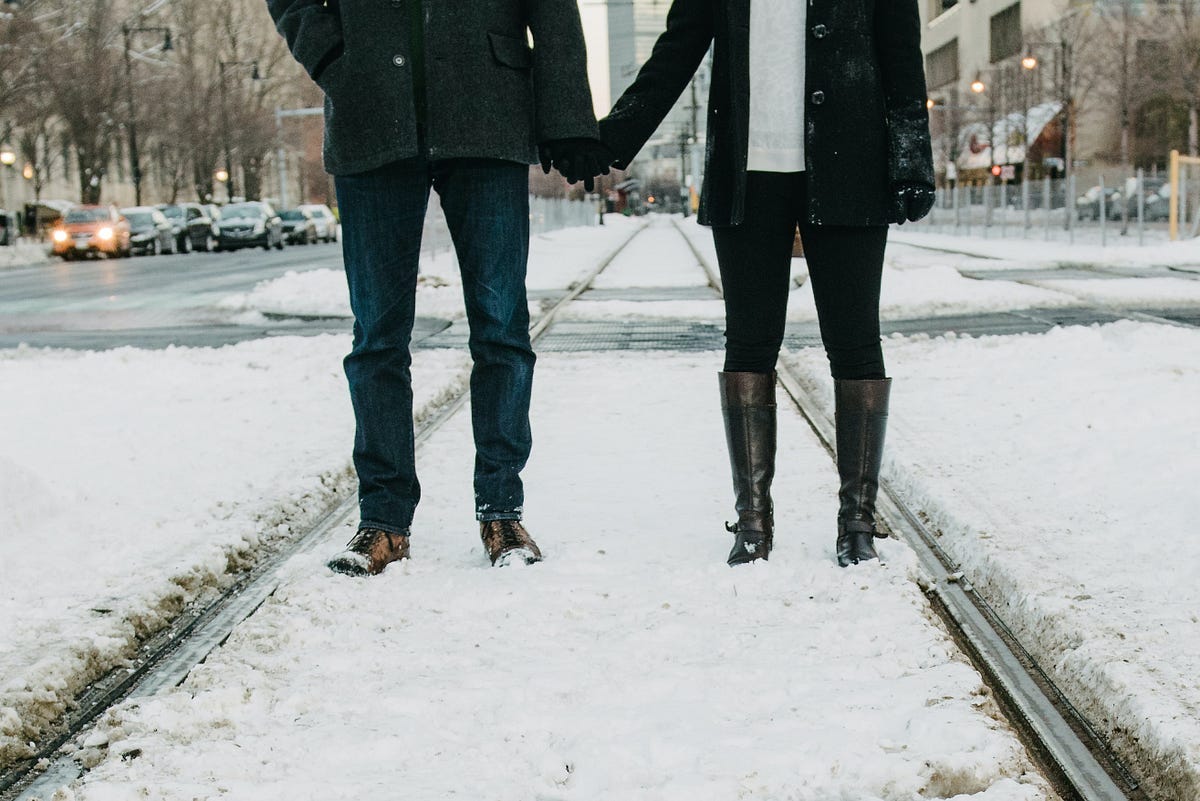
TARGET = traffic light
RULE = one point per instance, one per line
(996, 170)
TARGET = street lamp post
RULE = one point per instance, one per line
(231, 185)
(135, 166)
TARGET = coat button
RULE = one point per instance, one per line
(820, 31)
(818, 97)
(399, 61)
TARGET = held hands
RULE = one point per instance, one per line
(911, 201)
(577, 159)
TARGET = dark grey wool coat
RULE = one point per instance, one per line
(866, 123)
(489, 94)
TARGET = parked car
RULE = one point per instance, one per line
(327, 224)
(1087, 207)
(1156, 192)
(193, 226)
(250, 224)
(150, 232)
(8, 227)
(1158, 204)
(299, 227)
(91, 231)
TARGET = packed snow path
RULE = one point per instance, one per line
(631, 664)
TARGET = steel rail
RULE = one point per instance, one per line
(167, 658)
(1078, 760)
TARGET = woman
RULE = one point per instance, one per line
(816, 118)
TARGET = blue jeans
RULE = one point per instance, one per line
(382, 213)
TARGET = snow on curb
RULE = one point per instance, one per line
(1123, 251)
(24, 254)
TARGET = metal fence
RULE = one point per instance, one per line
(1130, 210)
(545, 215)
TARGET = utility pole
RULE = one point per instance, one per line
(683, 184)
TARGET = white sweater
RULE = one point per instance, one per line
(777, 35)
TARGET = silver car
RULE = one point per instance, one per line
(327, 224)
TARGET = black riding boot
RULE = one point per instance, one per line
(861, 412)
(748, 404)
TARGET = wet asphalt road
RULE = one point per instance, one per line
(151, 301)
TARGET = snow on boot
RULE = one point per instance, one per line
(507, 541)
(748, 406)
(861, 412)
(369, 552)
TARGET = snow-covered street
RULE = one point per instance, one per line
(632, 663)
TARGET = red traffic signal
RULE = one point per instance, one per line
(996, 169)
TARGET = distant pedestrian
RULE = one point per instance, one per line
(422, 94)
(816, 118)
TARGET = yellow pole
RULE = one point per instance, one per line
(1173, 226)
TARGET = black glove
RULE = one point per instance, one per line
(911, 201)
(577, 159)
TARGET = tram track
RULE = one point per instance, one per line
(1074, 755)
(166, 658)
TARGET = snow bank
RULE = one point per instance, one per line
(137, 480)
(24, 254)
(1059, 470)
(556, 261)
(1120, 251)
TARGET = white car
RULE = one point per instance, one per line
(327, 224)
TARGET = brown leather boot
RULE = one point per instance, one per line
(505, 540)
(861, 412)
(748, 405)
(369, 552)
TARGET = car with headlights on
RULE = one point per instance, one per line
(252, 223)
(91, 231)
(150, 232)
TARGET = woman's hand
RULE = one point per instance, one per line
(577, 159)
(911, 201)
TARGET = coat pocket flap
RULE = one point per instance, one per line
(510, 51)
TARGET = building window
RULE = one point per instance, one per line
(941, 66)
(1006, 33)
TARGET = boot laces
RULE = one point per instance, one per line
(510, 533)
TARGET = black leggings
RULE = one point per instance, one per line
(845, 265)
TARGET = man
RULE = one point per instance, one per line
(450, 96)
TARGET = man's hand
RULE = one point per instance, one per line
(911, 201)
(577, 159)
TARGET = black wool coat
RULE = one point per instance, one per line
(489, 94)
(867, 126)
